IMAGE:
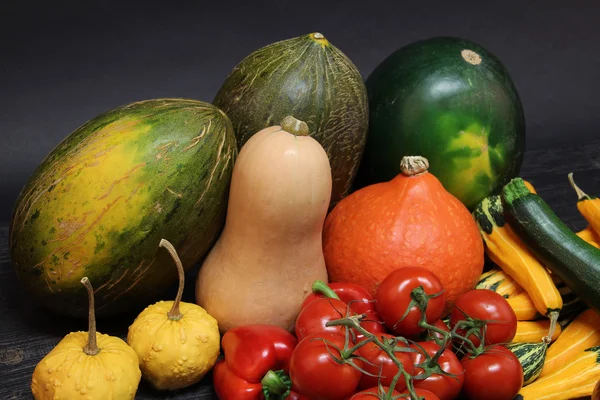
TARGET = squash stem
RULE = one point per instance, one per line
(91, 348)
(294, 126)
(320, 287)
(174, 313)
(414, 165)
(580, 193)
(553, 315)
(514, 190)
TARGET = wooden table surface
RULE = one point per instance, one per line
(28, 331)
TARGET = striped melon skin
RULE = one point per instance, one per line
(311, 79)
(532, 357)
(101, 201)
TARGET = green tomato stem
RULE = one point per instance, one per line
(320, 287)
(354, 322)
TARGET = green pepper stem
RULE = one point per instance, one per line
(174, 313)
(320, 287)
(274, 384)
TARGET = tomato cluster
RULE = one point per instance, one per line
(395, 345)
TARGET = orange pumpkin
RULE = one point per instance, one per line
(409, 221)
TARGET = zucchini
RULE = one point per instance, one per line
(531, 356)
(572, 259)
(505, 248)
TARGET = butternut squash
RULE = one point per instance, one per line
(573, 379)
(507, 250)
(270, 251)
(535, 331)
(582, 333)
(523, 307)
(588, 206)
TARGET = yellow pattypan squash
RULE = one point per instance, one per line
(87, 365)
(177, 343)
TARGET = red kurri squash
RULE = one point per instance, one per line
(409, 221)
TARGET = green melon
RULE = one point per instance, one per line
(453, 102)
(102, 200)
(311, 79)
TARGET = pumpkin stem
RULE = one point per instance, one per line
(91, 348)
(174, 313)
(414, 165)
(294, 126)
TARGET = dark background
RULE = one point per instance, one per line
(64, 62)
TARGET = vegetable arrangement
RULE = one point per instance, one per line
(409, 312)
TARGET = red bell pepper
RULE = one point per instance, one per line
(256, 364)
(359, 299)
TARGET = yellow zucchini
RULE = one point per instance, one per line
(582, 333)
(507, 250)
(574, 379)
(523, 307)
(589, 236)
(588, 206)
(535, 331)
(499, 282)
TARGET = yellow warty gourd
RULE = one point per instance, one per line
(177, 343)
(87, 366)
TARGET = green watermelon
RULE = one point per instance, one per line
(453, 102)
(311, 79)
(102, 200)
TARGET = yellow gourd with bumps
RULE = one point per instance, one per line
(177, 343)
(87, 365)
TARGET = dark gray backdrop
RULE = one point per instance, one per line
(64, 62)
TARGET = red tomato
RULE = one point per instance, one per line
(373, 324)
(359, 299)
(374, 393)
(381, 365)
(394, 297)
(495, 374)
(486, 305)
(424, 394)
(317, 375)
(444, 386)
(314, 316)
